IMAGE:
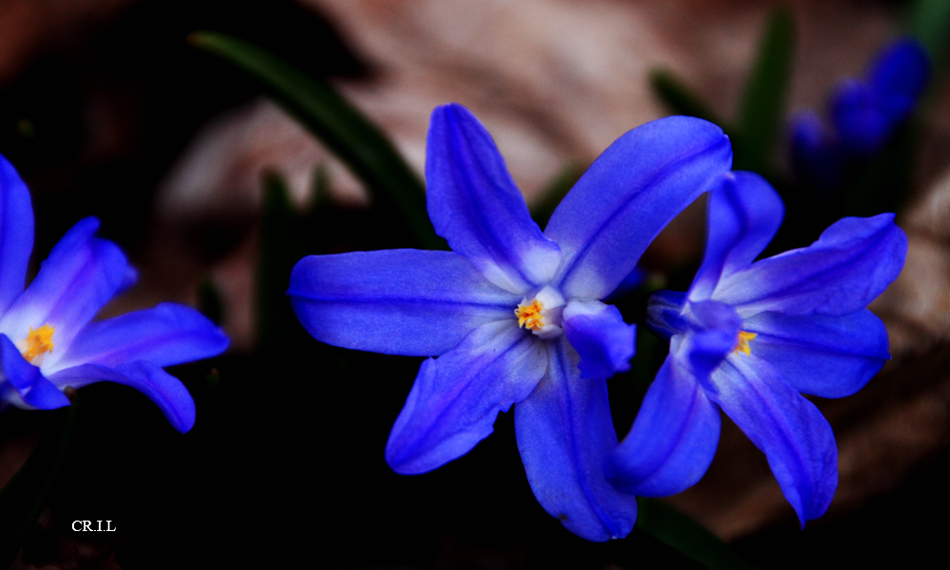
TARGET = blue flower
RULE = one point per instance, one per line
(47, 341)
(513, 313)
(864, 115)
(748, 337)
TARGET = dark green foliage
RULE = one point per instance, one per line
(762, 111)
(25, 496)
(675, 529)
(341, 127)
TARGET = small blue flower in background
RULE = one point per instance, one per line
(748, 337)
(47, 341)
(513, 314)
(864, 114)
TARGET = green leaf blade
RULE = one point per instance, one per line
(23, 499)
(675, 529)
(763, 104)
(281, 247)
(343, 129)
(930, 23)
(679, 98)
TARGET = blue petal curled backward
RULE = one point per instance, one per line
(597, 332)
(163, 389)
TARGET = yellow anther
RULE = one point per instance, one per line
(529, 316)
(742, 342)
(38, 342)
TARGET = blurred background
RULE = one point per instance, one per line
(106, 110)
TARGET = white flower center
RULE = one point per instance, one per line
(541, 314)
(37, 343)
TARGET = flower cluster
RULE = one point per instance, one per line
(863, 115)
(513, 316)
(47, 339)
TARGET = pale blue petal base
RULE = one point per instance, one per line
(474, 204)
(404, 301)
(165, 335)
(457, 396)
(23, 383)
(831, 357)
(81, 274)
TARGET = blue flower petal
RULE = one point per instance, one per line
(410, 302)
(16, 234)
(628, 195)
(475, 206)
(80, 275)
(852, 262)
(164, 335)
(831, 357)
(795, 437)
(673, 440)
(861, 122)
(899, 75)
(712, 335)
(665, 313)
(456, 397)
(744, 214)
(166, 391)
(565, 435)
(26, 386)
(597, 332)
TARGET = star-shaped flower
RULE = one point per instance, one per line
(513, 314)
(47, 341)
(749, 336)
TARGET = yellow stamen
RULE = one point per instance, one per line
(529, 316)
(742, 343)
(38, 342)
